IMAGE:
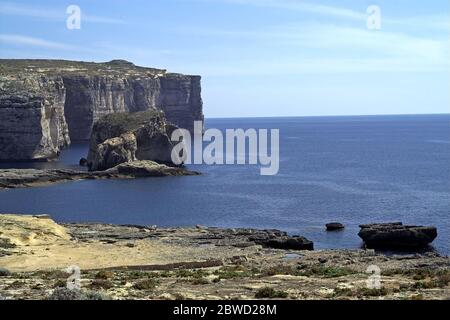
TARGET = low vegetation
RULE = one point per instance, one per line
(327, 272)
(146, 284)
(270, 293)
(67, 294)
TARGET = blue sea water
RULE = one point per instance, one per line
(352, 170)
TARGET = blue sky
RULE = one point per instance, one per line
(258, 57)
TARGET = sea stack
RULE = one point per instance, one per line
(127, 137)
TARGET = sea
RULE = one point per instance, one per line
(348, 169)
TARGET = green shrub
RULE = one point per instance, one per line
(60, 283)
(67, 294)
(104, 274)
(233, 272)
(343, 292)
(270, 293)
(146, 284)
(373, 292)
(279, 270)
(327, 272)
(101, 284)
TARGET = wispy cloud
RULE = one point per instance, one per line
(13, 9)
(21, 40)
(301, 6)
(334, 37)
(104, 50)
(323, 48)
(438, 21)
(353, 41)
(308, 66)
(132, 52)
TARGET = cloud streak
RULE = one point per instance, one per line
(438, 22)
(300, 6)
(13, 9)
(308, 66)
(21, 40)
(338, 38)
(322, 48)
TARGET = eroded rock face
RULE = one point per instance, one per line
(396, 235)
(32, 125)
(114, 151)
(42, 102)
(125, 137)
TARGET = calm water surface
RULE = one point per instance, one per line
(348, 169)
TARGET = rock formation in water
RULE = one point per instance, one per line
(396, 235)
(126, 137)
(21, 178)
(334, 226)
(281, 240)
(43, 102)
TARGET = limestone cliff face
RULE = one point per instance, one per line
(180, 99)
(90, 98)
(80, 93)
(32, 122)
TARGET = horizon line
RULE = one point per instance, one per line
(331, 115)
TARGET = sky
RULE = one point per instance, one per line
(258, 58)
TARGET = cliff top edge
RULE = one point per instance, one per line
(49, 67)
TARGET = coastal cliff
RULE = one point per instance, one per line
(32, 122)
(46, 103)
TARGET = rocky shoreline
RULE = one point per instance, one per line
(147, 262)
(21, 178)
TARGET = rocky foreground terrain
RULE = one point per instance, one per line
(146, 262)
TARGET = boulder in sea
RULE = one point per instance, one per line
(334, 226)
(280, 240)
(83, 162)
(396, 235)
